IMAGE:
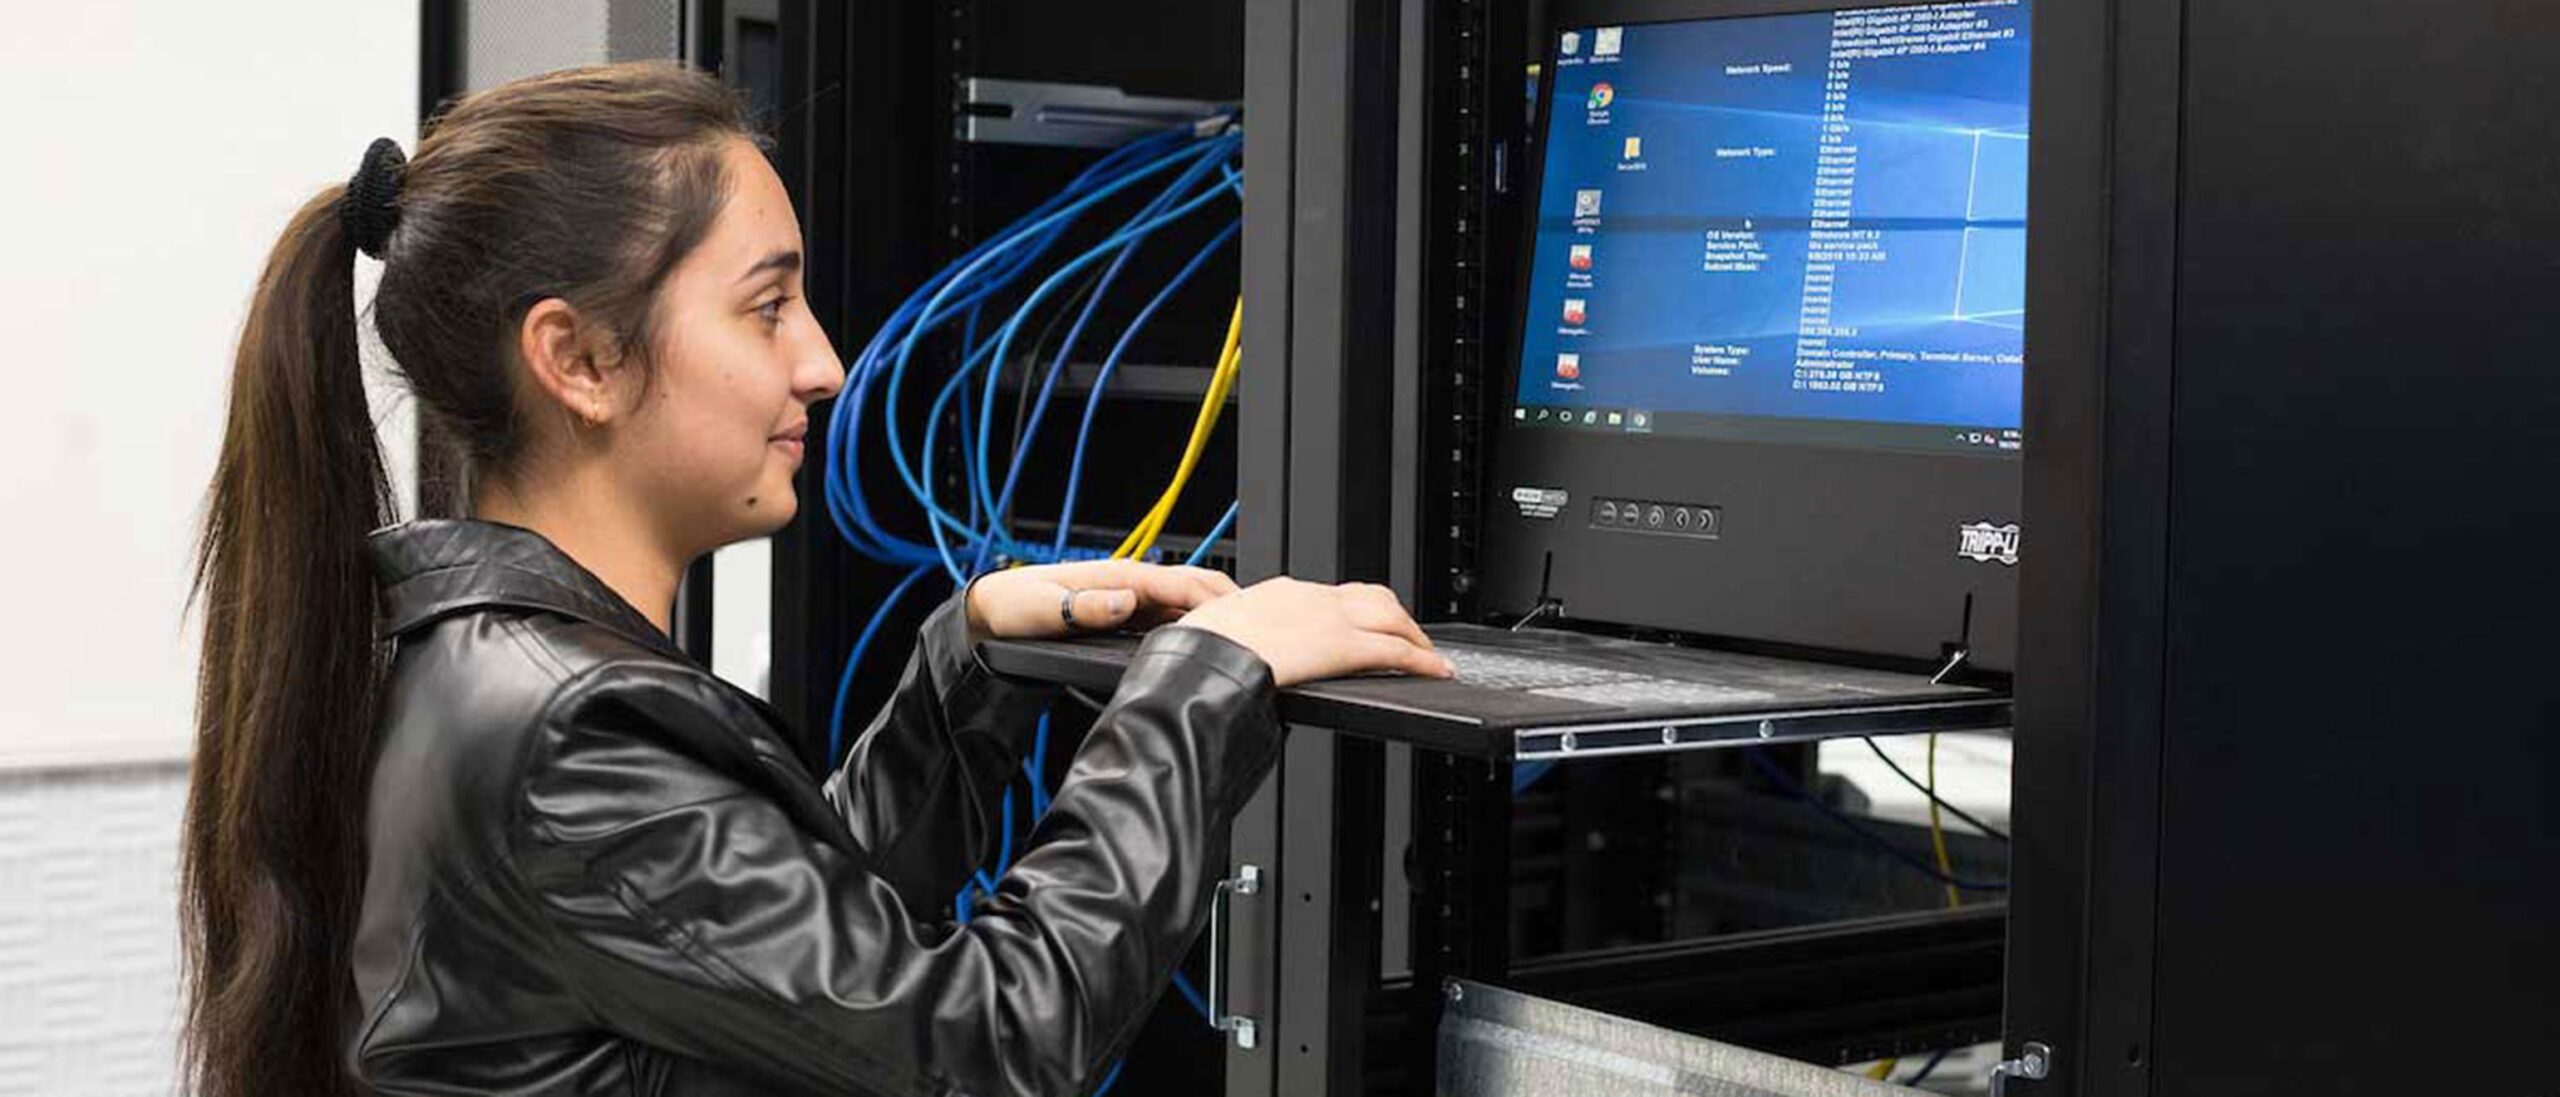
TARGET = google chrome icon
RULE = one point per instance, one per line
(1602, 95)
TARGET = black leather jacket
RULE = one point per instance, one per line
(597, 869)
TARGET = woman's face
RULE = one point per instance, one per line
(722, 423)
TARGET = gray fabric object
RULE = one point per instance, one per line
(1498, 1043)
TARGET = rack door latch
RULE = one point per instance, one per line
(2034, 1064)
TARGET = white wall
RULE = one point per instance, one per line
(155, 148)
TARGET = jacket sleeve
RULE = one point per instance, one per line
(690, 913)
(918, 788)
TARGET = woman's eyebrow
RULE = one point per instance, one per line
(786, 260)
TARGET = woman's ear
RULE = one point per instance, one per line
(562, 350)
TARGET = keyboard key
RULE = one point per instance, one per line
(1636, 692)
(1503, 670)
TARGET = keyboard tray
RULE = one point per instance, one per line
(1727, 698)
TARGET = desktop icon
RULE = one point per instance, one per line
(1578, 257)
(1586, 203)
(1616, 418)
(1590, 417)
(1519, 413)
(1635, 149)
(1542, 415)
(1606, 40)
(1569, 367)
(1573, 311)
(1570, 43)
(1601, 96)
(1639, 420)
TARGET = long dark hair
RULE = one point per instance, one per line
(587, 185)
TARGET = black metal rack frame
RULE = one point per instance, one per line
(2174, 926)
(1383, 136)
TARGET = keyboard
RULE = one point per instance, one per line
(1493, 669)
(1567, 681)
(1638, 692)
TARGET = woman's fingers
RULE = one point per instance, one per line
(1106, 594)
(1342, 629)
(1190, 588)
(1376, 609)
(1307, 631)
(1388, 651)
(1165, 594)
(1160, 587)
(1102, 609)
(1392, 641)
(1217, 583)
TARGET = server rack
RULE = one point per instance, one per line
(2284, 761)
(1419, 108)
(1379, 225)
(2205, 179)
(873, 139)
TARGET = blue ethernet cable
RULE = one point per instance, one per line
(1777, 776)
(1005, 336)
(1527, 773)
(1036, 767)
(958, 384)
(967, 285)
(994, 261)
(1226, 522)
(1111, 362)
(1075, 333)
(862, 643)
(1191, 994)
(1126, 241)
(907, 346)
(996, 353)
(848, 506)
(1128, 236)
(915, 483)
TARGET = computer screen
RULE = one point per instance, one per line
(1799, 229)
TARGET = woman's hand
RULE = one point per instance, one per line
(1025, 603)
(1307, 631)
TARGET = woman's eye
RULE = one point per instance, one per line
(772, 310)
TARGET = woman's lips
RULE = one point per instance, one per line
(793, 439)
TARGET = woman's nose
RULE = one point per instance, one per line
(819, 374)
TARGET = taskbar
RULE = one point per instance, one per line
(1970, 441)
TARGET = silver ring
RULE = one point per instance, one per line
(1067, 608)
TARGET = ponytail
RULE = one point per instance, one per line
(273, 871)
(586, 184)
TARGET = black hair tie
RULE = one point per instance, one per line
(370, 209)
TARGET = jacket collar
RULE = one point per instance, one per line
(432, 569)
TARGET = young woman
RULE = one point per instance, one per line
(464, 821)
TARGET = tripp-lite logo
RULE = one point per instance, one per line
(1986, 542)
(1536, 502)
